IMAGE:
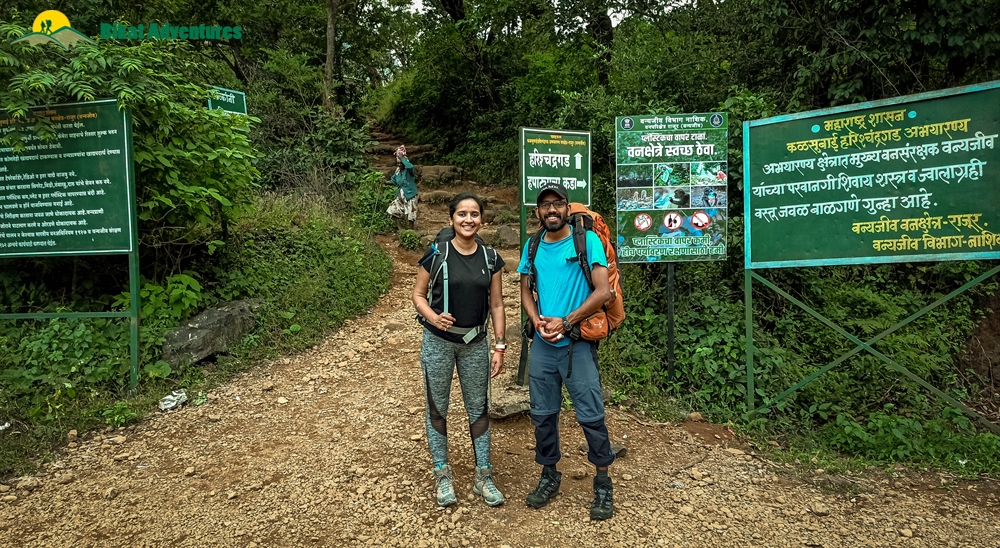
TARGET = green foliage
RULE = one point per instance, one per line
(949, 440)
(370, 204)
(52, 360)
(119, 415)
(194, 166)
(410, 239)
(307, 271)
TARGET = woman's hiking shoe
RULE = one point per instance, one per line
(445, 486)
(483, 486)
(604, 504)
(548, 487)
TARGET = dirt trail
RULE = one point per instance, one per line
(327, 448)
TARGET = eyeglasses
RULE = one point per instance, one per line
(559, 204)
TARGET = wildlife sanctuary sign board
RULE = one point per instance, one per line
(913, 178)
(554, 155)
(73, 195)
(670, 187)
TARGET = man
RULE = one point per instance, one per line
(564, 299)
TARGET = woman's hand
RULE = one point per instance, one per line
(444, 321)
(496, 364)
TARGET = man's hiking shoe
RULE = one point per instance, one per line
(445, 486)
(618, 449)
(604, 504)
(548, 487)
(483, 486)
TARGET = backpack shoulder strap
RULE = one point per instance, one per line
(439, 267)
(490, 255)
(580, 244)
(533, 243)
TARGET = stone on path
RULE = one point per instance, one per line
(507, 237)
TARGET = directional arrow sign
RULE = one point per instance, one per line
(555, 156)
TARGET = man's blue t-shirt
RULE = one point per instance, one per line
(562, 286)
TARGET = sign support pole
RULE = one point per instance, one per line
(670, 321)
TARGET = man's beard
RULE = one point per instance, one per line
(562, 223)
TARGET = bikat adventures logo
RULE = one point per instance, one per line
(51, 26)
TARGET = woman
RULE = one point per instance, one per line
(404, 208)
(458, 288)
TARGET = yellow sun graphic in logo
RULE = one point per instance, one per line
(49, 21)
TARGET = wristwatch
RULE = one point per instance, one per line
(567, 327)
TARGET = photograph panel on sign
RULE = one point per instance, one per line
(672, 174)
(709, 196)
(635, 175)
(631, 199)
(672, 197)
(709, 173)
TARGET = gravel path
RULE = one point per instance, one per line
(326, 448)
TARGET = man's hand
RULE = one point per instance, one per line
(551, 329)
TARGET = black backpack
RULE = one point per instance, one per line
(437, 254)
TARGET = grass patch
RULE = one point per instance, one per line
(309, 269)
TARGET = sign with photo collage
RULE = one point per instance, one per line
(671, 189)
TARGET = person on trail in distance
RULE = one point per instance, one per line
(564, 299)
(465, 290)
(404, 208)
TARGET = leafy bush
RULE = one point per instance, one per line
(371, 200)
(410, 239)
(194, 166)
(305, 267)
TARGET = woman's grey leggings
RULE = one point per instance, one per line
(438, 358)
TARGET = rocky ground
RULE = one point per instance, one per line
(327, 448)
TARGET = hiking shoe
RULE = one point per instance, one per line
(548, 487)
(483, 486)
(445, 486)
(604, 504)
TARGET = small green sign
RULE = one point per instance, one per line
(554, 155)
(71, 196)
(671, 190)
(228, 100)
(899, 180)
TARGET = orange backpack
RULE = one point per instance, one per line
(612, 314)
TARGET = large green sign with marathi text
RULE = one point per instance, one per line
(671, 189)
(554, 155)
(72, 195)
(914, 178)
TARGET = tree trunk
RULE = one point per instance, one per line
(603, 32)
(332, 13)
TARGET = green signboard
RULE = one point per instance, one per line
(228, 100)
(73, 195)
(907, 179)
(554, 155)
(670, 192)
